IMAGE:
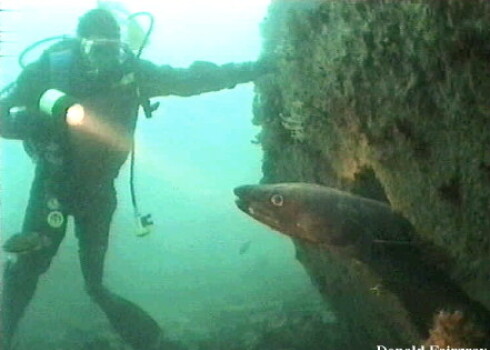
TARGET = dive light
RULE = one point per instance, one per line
(58, 105)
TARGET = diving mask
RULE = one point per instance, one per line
(104, 54)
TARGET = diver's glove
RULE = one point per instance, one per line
(16, 123)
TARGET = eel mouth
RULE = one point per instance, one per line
(258, 212)
(251, 201)
(243, 205)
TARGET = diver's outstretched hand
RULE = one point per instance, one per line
(265, 65)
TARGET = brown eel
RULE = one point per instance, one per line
(372, 233)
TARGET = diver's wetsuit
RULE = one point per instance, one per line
(75, 169)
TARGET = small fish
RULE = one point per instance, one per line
(244, 247)
(22, 243)
(323, 215)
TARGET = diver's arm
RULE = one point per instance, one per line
(198, 78)
(19, 116)
(15, 123)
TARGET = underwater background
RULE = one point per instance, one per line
(210, 276)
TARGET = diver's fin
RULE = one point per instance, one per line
(134, 325)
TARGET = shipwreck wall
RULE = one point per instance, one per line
(389, 100)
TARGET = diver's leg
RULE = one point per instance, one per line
(92, 225)
(21, 273)
(133, 324)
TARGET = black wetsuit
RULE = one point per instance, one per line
(77, 167)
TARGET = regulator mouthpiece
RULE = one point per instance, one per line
(59, 105)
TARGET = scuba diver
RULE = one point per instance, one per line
(75, 109)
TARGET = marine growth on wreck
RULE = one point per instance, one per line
(389, 100)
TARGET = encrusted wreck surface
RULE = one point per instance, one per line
(389, 100)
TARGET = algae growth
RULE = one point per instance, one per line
(388, 99)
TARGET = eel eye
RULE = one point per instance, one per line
(277, 200)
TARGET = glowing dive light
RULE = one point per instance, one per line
(59, 105)
(75, 115)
